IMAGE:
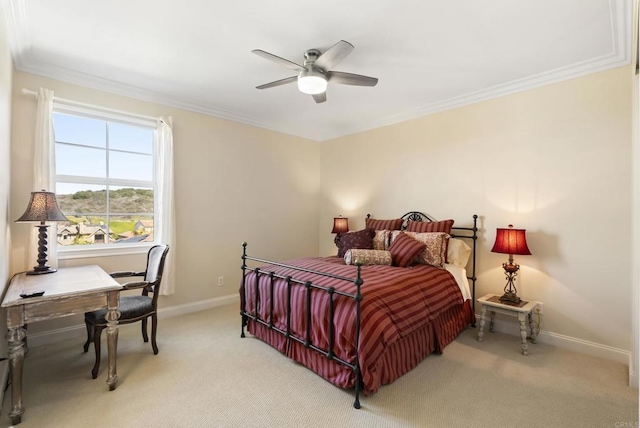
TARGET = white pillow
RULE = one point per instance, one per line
(458, 252)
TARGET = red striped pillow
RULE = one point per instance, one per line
(372, 223)
(435, 243)
(430, 226)
(404, 250)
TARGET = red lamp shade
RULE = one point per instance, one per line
(340, 225)
(511, 241)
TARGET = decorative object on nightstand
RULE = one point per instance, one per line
(524, 311)
(511, 241)
(43, 207)
(340, 226)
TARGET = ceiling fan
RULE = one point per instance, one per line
(316, 72)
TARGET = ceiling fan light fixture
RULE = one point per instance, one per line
(312, 82)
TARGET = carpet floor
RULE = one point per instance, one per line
(207, 376)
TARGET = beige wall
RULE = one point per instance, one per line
(554, 160)
(233, 183)
(6, 71)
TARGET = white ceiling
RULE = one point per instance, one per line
(428, 55)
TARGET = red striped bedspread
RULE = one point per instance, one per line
(396, 302)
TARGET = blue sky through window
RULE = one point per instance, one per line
(130, 154)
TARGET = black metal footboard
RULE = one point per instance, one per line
(309, 286)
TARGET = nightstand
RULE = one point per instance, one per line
(523, 311)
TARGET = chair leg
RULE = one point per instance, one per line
(97, 332)
(144, 330)
(89, 336)
(154, 327)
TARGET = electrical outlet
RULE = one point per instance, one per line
(220, 281)
(540, 309)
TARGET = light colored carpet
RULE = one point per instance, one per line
(207, 376)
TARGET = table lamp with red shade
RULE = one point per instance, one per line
(340, 226)
(511, 241)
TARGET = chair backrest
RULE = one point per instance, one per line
(155, 266)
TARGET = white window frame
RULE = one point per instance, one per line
(104, 250)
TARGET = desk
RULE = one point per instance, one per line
(68, 291)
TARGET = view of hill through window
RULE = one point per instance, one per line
(89, 224)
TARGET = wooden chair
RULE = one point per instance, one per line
(132, 308)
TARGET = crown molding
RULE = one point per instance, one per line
(531, 82)
(63, 74)
(621, 23)
(15, 17)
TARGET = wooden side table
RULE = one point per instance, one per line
(523, 312)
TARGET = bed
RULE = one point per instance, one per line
(361, 326)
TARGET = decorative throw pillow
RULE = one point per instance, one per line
(360, 239)
(430, 226)
(394, 224)
(381, 240)
(435, 251)
(404, 250)
(367, 257)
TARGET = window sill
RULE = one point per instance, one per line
(110, 250)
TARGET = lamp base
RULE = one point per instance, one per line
(510, 297)
(39, 270)
(42, 253)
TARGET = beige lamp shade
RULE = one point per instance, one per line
(42, 207)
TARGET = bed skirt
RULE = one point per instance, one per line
(397, 359)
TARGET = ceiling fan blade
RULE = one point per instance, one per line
(333, 56)
(320, 98)
(278, 60)
(278, 82)
(351, 79)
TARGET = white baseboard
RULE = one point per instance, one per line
(567, 342)
(190, 308)
(80, 331)
(633, 376)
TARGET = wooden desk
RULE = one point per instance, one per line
(68, 291)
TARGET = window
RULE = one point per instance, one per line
(105, 181)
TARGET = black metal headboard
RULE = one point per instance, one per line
(456, 232)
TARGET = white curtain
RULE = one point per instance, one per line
(43, 174)
(165, 234)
